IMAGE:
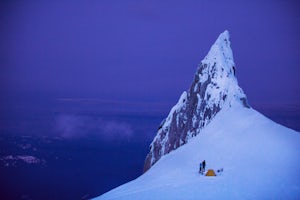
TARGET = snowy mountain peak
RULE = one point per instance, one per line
(253, 157)
(221, 52)
(218, 68)
(214, 87)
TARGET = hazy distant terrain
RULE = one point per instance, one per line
(104, 150)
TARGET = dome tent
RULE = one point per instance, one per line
(210, 172)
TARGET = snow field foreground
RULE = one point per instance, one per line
(260, 160)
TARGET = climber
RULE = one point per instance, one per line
(203, 166)
(200, 169)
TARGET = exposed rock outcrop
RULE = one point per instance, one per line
(214, 87)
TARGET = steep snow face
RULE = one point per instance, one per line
(260, 160)
(214, 87)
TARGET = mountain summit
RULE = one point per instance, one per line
(253, 157)
(214, 86)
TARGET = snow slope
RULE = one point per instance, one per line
(260, 160)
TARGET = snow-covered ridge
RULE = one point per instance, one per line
(260, 160)
(214, 87)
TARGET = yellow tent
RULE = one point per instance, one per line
(210, 172)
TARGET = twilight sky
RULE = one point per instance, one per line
(146, 50)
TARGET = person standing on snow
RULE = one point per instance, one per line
(200, 168)
(203, 165)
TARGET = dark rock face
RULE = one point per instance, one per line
(213, 88)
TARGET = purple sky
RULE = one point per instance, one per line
(146, 50)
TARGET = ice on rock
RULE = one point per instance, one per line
(214, 87)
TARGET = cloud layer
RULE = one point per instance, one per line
(76, 126)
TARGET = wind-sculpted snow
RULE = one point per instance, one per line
(214, 86)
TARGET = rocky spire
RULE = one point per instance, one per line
(214, 87)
